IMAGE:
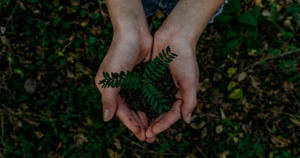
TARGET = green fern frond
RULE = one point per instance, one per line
(153, 96)
(128, 80)
(156, 68)
(133, 80)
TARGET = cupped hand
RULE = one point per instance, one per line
(128, 48)
(185, 74)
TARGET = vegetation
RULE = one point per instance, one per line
(248, 95)
(134, 80)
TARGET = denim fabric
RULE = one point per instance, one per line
(150, 7)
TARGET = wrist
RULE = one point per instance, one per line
(126, 15)
(177, 35)
(131, 27)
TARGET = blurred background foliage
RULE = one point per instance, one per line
(248, 99)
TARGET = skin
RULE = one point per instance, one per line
(132, 43)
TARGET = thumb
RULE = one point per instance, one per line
(189, 103)
(109, 102)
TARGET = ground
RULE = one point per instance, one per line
(248, 94)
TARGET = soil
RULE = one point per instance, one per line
(137, 101)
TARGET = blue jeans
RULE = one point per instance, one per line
(150, 7)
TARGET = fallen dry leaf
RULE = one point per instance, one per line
(219, 129)
(295, 121)
(111, 153)
(242, 76)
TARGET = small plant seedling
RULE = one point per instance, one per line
(144, 81)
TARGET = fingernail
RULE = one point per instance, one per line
(189, 118)
(105, 115)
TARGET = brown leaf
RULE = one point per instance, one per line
(254, 83)
(190, 156)
(219, 129)
(159, 14)
(178, 137)
(224, 154)
(295, 121)
(111, 153)
(277, 110)
(198, 125)
(242, 76)
(2, 29)
(80, 139)
(223, 116)
(30, 85)
(85, 23)
(33, 123)
(199, 104)
(117, 143)
(59, 145)
(39, 134)
(4, 40)
(280, 142)
(203, 133)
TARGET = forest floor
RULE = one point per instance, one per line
(248, 94)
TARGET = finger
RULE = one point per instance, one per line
(149, 132)
(147, 58)
(169, 119)
(128, 120)
(189, 103)
(143, 118)
(140, 135)
(109, 104)
(178, 95)
(157, 44)
(150, 140)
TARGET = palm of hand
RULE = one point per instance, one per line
(123, 55)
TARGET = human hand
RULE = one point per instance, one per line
(185, 73)
(131, 44)
(128, 48)
(181, 31)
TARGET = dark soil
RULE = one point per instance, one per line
(137, 101)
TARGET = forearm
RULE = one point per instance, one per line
(190, 17)
(126, 14)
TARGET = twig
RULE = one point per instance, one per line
(11, 15)
(144, 149)
(272, 57)
(156, 152)
(22, 114)
(210, 115)
(2, 130)
(201, 151)
(8, 109)
(133, 142)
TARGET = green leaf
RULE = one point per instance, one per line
(92, 40)
(274, 52)
(223, 18)
(95, 16)
(168, 49)
(236, 94)
(20, 72)
(231, 85)
(247, 18)
(231, 71)
(32, 1)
